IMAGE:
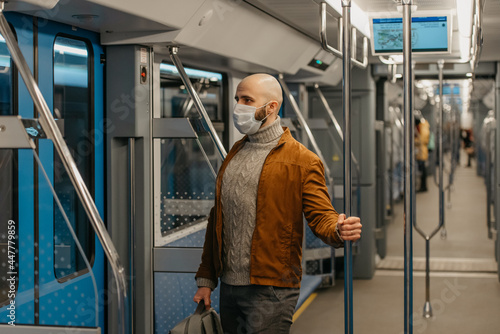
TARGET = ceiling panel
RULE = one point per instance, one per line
(302, 15)
(491, 31)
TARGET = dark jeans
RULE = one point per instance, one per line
(257, 309)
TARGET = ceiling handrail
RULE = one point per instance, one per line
(332, 50)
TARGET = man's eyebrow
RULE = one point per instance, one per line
(243, 97)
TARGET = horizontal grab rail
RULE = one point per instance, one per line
(332, 50)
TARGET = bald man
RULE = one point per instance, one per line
(253, 241)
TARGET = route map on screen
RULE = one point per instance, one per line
(428, 34)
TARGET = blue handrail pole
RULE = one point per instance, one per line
(346, 107)
(409, 189)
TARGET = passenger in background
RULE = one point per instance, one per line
(422, 133)
(468, 145)
(254, 235)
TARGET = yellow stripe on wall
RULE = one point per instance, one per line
(303, 307)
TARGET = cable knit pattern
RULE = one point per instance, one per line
(239, 202)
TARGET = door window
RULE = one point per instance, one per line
(73, 111)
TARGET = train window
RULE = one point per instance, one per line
(187, 166)
(9, 223)
(74, 110)
(175, 101)
(187, 189)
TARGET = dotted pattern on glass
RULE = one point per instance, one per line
(174, 299)
(70, 304)
(187, 190)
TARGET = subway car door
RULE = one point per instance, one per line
(55, 285)
(71, 80)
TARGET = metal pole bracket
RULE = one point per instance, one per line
(13, 135)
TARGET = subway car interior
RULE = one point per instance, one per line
(115, 117)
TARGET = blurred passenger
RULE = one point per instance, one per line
(422, 133)
(254, 235)
(468, 141)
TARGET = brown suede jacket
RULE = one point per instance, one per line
(292, 182)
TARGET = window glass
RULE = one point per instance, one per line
(8, 182)
(187, 189)
(73, 112)
(175, 98)
(176, 102)
(187, 167)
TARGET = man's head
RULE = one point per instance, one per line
(262, 91)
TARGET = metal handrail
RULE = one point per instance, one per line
(197, 101)
(51, 129)
(332, 50)
(305, 126)
(346, 109)
(428, 237)
(338, 129)
(409, 189)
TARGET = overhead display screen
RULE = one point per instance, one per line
(429, 35)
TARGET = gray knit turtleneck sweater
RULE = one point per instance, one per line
(239, 204)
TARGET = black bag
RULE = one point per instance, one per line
(201, 322)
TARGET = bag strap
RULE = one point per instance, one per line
(194, 324)
(200, 308)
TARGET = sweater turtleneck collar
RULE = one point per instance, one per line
(268, 133)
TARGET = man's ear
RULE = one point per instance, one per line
(274, 106)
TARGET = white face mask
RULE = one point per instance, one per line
(244, 118)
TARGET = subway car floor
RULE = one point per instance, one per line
(465, 289)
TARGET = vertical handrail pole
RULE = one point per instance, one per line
(197, 101)
(51, 129)
(440, 149)
(346, 107)
(408, 158)
(305, 126)
(132, 229)
(488, 138)
(427, 306)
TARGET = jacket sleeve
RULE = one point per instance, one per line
(206, 272)
(316, 204)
